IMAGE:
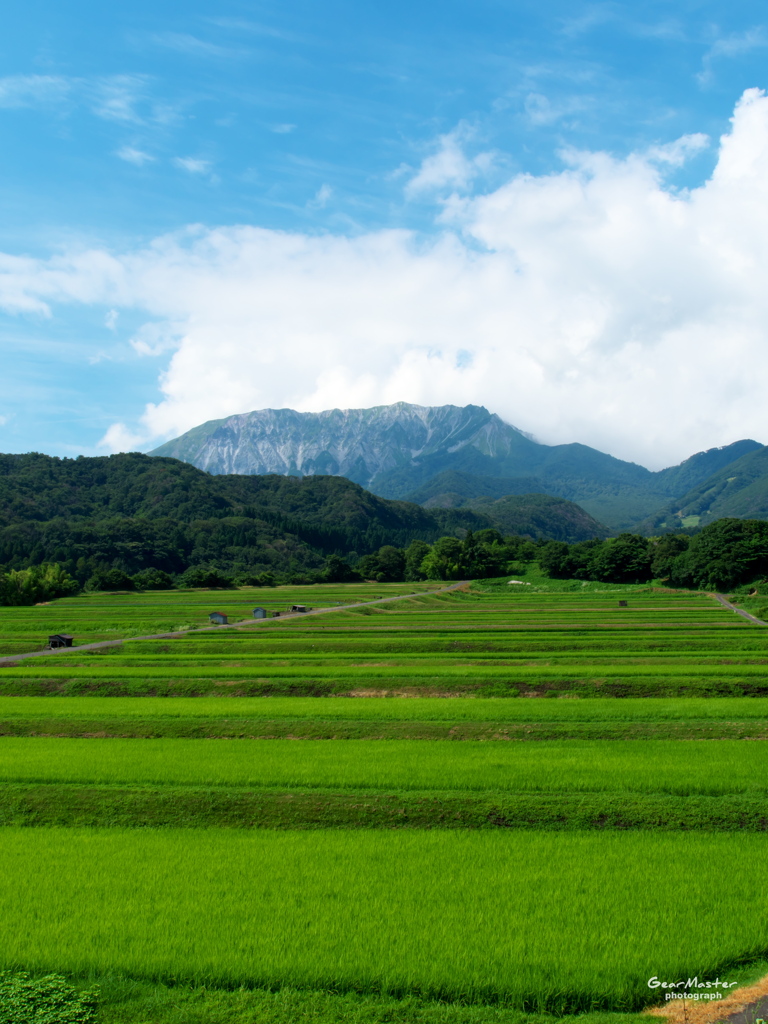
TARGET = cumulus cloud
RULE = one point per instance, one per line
(449, 166)
(120, 438)
(592, 304)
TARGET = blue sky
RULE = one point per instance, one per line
(123, 125)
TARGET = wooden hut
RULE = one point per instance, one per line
(218, 619)
(60, 640)
(259, 613)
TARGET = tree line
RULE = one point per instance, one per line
(481, 555)
(726, 554)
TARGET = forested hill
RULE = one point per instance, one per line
(137, 512)
(38, 488)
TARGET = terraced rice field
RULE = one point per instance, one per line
(484, 644)
(98, 617)
(511, 800)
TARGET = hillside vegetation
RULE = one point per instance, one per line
(127, 514)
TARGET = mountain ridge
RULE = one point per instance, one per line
(398, 451)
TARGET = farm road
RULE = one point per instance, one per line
(745, 1005)
(739, 611)
(11, 658)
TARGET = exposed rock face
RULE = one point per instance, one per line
(359, 444)
(443, 455)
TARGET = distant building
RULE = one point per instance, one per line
(218, 619)
(60, 640)
(259, 613)
(300, 608)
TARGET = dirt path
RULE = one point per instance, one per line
(11, 658)
(744, 1006)
(739, 611)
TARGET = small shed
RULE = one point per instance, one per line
(218, 619)
(299, 608)
(60, 640)
(259, 613)
(622, 604)
(275, 615)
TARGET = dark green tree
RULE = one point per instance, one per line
(110, 579)
(152, 579)
(415, 554)
(207, 576)
(625, 559)
(665, 550)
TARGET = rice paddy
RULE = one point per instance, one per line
(535, 922)
(532, 801)
(684, 768)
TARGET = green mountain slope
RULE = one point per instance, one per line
(739, 491)
(678, 480)
(540, 515)
(451, 488)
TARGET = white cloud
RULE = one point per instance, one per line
(449, 166)
(540, 110)
(594, 305)
(116, 98)
(32, 90)
(120, 439)
(283, 129)
(193, 46)
(193, 165)
(734, 45)
(110, 320)
(112, 98)
(153, 339)
(321, 197)
(678, 152)
(134, 156)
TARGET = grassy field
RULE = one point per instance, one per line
(452, 873)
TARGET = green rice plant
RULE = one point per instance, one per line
(378, 709)
(646, 766)
(531, 920)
